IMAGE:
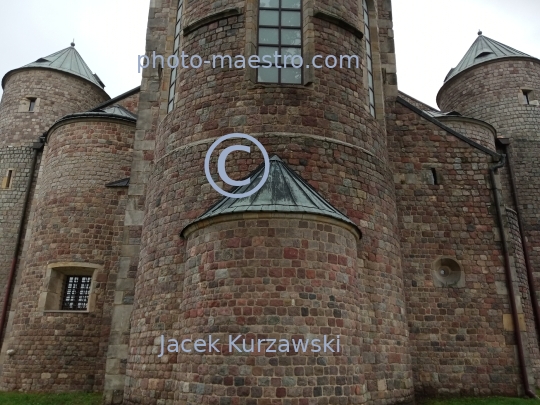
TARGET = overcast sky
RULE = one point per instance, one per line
(431, 36)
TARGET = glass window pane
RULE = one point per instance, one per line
(364, 4)
(268, 17)
(177, 31)
(291, 37)
(268, 36)
(176, 42)
(269, 3)
(179, 14)
(171, 106)
(366, 18)
(291, 75)
(290, 18)
(367, 34)
(370, 80)
(268, 75)
(372, 110)
(171, 92)
(173, 74)
(369, 67)
(368, 48)
(268, 50)
(290, 3)
(371, 97)
(291, 51)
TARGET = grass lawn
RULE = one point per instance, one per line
(19, 398)
(480, 401)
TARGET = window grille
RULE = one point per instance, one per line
(76, 292)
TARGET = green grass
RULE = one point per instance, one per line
(20, 398)
(480, 401)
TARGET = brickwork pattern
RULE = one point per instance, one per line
(277, 278)
(59, 94)
(530, 335)
(491, 92)
(11, 205)
(477, 132)
(79, 221)
(458, 341)
(131, 103)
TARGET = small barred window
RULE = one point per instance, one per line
(76, 292)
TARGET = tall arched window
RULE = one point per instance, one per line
(369, 59)
(176, 52)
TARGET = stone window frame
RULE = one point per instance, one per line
(7, 181)
(51, 294)
(24, 104)
(527, 96)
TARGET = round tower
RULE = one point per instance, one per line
(63, 313)
(497, 84)
(281, 270)
(38, 94)
(34, 97)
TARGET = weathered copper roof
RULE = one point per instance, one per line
(67, 60)
(482, 50)
(284, 191)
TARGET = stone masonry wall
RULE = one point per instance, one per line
(323, 131)
(131, 103)
(79, 221)
(476, 131)
(152, 96)
(11, 205)
(268, 276)
(492, 92)
(59, 94)
(459, 343)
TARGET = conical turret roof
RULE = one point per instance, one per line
(284, 191)
(67, 60)
(482, 50)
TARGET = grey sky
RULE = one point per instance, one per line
(431, 36)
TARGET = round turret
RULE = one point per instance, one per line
(74, 251)
(39, 93)
(496, 84)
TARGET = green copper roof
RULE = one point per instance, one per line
(70, 61)
(482, 50)
(284, 191)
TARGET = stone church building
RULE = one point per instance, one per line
(409, 232)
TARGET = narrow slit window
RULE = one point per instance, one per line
(8, 179)
(369, 60)
(434, 177)
(176, 52)
(527, 96)
(280, 41)
(76, 292)
(32, 104)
